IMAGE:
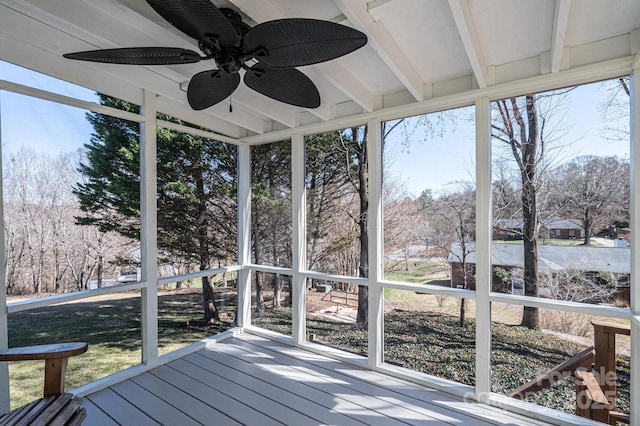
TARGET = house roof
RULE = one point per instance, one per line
(547, 224)
(552, 258)
(417, 53)
(562, 224)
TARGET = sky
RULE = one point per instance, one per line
(40, 125)
(420, 158)
(448, 153)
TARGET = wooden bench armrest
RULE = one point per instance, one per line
(55, 361)
(58, 350)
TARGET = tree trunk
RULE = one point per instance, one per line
(259, 294)
(462, 312)
(257, 254)
(277, 290)
(211, 314)
(362, 316)
(530, 315)
(99, 272)
(587, 227)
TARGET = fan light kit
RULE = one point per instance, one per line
(276, 47)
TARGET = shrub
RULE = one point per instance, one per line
(501, 280)
(566, 322)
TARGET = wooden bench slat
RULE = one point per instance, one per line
(68, 415)
(17, 414)
(56, 407)
(58, 410)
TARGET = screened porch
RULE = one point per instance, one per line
(353, 267)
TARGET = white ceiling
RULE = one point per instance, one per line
(417, 50)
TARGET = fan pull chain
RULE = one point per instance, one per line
(230, 97)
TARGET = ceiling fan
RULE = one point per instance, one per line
(272, 49)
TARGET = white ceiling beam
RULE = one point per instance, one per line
(383, 44)
(347, 83)
(469, 38)
(560, 21)
(339, 76)
(636, 62)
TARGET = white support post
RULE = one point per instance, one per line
(149, 229)
(4, 332)
(299, 240)
(483, 248)
(634, 403)
(243, 317)
(376, 295)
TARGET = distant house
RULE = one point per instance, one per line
(507, 229)
(551, 258)
(563, 229)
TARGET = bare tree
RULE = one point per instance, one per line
(402, 219)
(45, 250)
(616, 109)
(593, 190)
(575, 285)
(453, 219)
(525, 128)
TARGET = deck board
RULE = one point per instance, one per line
(389, 411)
(252, 397)
(231, 407)
(322, 401)
(197, 409)
(382, 386)
(254, 381)
(154, 406)
(97, 416)
(119, 409)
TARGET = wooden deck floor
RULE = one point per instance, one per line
(254, 381)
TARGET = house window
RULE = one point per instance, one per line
(558, 232)
(572, 233)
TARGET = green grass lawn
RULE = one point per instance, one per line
(112, 329)
(420, 272)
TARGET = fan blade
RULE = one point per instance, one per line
(286, 85)
(207, 88)
(198, 19)
(138, 56)
(296, 42)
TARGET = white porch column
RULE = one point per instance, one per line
(244, 235)
(149, 229)
(483, 247)
(376, 296)
(634, 403)
(299, 239)
(4, 336)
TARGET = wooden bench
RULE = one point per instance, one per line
(56, 407)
